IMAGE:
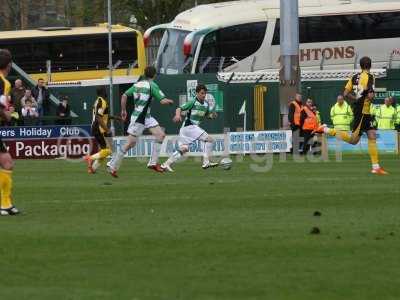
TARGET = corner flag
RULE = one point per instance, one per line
(243, 109)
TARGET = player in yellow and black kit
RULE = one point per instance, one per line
(360, 90)
(356, 90)
(6, 162)
(100, 131)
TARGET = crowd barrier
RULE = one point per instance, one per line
(230, 143)
(48, 142)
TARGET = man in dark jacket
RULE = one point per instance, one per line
(42, 96)
(16, 95)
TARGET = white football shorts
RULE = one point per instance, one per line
(191, 133)
(136, 129)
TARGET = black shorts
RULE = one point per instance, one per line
(100, 137)
(3, 147)
(363, 123)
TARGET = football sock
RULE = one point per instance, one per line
(117, 160)
(97, 163)
(208, 147)
(103, 153)
(5, 187)
(174, 158)
(95, 156)
(330, 131)
(373, 153)
(344, 136)
(155, 153)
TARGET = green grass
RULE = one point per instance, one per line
(202, 235)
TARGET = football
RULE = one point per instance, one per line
(226, 163)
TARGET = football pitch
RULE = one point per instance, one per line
(204, 234)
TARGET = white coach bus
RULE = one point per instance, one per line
(245, 36)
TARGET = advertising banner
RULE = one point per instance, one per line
(48, 142)
(44, 132)
(386, 140)
(144, 146)
(382, 95)
(215, 97)
(231, 143)
(260, 142)
(50, 148)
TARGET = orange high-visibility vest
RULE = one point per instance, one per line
(311, 122)
(297, 112)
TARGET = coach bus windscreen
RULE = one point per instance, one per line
(171, 59)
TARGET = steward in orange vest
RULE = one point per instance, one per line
(309, 123)
(295, 108)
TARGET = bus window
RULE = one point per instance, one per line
(40, 54)
(69, 54)
(349, 27)
(171, 59)
(66, 54)
(96, 52)
(22, 51)
(76, 54)
(73, 53)
(224, 47)
(377, 26)
(209, 46)
(345, 27)
(154, 44)
(125, 49)
(276, 39)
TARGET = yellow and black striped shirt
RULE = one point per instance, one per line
(101, 109)
(358, 84)
(5, 86)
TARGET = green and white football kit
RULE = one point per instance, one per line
(143, 92)
(196, 112)
(190, 130)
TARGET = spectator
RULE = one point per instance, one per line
(341, 114)
(397, 115)
(295, 108)
(42, 96)
(16, 95)
(317, 114)
(317, 144)
(385, 115)
(63, 112)
(29, 113)
(308, 123)
(14, 117)
(28, 96)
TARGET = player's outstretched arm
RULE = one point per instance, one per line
(178, 115)
(101, 123)
(348, 91)
(116, 118)
(124, 98)
(349, 96)
(178, 112)
(166, 101)
(212, 115)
